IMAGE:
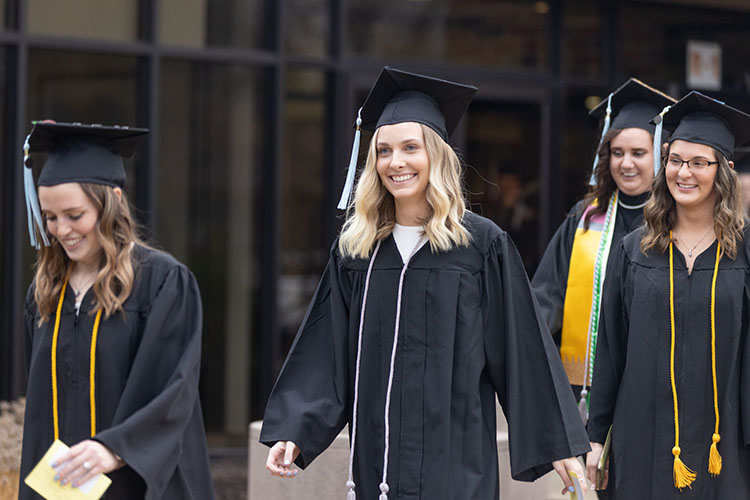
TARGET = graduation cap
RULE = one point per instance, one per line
(703, 120)
(76, 153)
(399, 96)
(632, 105)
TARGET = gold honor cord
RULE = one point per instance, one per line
(682, 474)
(92, 364)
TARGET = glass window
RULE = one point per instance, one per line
(508, 33)
(502, 148)
(198, 23)
(308, 27)
(582, 38)
(653, 40)
(303, 249)
(106, 20)
(212, 146)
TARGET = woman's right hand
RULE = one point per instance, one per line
(592, 463)
(281, 456)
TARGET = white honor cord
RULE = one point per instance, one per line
(351, 495)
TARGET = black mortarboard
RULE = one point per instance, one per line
(703, 120)
(76, 153)
(742, 160)
(399, 96)
(632, 105)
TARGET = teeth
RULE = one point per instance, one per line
(687, 186)
(70, 243)
(401, 178)
(629, 174)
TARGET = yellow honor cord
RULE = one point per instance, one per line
(92, 365)
(714, 459)
(682, 474)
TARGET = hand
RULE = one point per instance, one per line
(592, 462)
(570, 464)
(280, 459)
(84, 461)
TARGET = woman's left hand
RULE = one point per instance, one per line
(84, 461)
(570, 464)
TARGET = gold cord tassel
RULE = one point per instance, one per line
(714, 459)
(682, 474)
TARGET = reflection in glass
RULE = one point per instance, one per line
(507, 33)
(227, 23)
(303, 251)
(105, 20)
(582, 38)
(211, 151)
(307, 27)
(653, 38)
(503, 181)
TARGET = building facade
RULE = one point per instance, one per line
(250, 105)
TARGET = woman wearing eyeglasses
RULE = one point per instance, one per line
(673, 362)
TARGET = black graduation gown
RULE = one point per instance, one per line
(550, 280)
(147, 369)
(632, 389)
(470, 329)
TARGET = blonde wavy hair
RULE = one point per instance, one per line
(660, 213)
(374, 212)
(115, 231)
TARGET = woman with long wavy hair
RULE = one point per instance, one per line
(112, 330)
(423, 315)
(672, 359)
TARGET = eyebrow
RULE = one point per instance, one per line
(71, 209)
(404, 141)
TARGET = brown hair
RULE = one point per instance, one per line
(116, 231)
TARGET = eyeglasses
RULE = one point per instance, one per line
(694, 164)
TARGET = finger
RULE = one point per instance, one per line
(289, 453)
(563, 473)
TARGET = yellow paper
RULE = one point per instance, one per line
(578, 493)
(41, 479)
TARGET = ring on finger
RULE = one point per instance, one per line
(87, 465)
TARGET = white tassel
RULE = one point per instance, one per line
(583, 409)
(383, 491)
(33, 212)
(605, 129)
(350, 495)
(349, 184)
(659, 120)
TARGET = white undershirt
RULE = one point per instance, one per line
(406, 237)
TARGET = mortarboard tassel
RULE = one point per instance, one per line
(349, 184)
(659, 120)
(33, 212)
(605, 129)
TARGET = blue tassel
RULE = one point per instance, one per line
(605, 129)
(349, 184)
(33, 212)
(659, 120)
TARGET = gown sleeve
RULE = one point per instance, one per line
(611, 348)
(745, 360)
(308, 404)
(160, 398)
(551, 277)
(525, 369)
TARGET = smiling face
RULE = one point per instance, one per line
(689, 188)
(631, 161)
(71, 218)
(403, 165)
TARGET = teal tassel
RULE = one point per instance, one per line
(33, 212)
(349, 184)
(605, 129)
(659, 120)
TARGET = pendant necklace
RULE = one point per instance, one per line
(690, 250)
(631, 207)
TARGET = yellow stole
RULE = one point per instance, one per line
(588, 262)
